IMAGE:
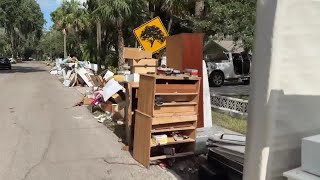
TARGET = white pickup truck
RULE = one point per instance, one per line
(228, 66)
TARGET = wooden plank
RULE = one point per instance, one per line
(146, 95)
(175, 109)
(180, 77)
(135, 53)
(179, 103)
(142, 135)
(134, 84)
(176, 88)
(129, 115)
(176, 94)
(171, 141)
(143, 70)
(173, 119)
(171, 156)
(173, 129)
(143, 62)
(178, 98)
(175, 114)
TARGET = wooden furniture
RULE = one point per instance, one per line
(136, 53)
(185, 51)
(132, 104)
(177, 112)
(143, 66)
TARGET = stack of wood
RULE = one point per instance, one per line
(140, 62)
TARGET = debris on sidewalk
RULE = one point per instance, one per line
(225, 157)
(168, 100)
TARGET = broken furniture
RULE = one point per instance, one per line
(175, 111)
(143, 66)
(140, 61)
(136, 53)
(131, 105)
(225, 158)
(185, 51)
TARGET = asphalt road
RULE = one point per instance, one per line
(231, 88)
(43, 138)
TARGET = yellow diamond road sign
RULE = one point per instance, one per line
(152, 35)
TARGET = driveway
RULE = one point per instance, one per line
(44, 138)
(231, 89)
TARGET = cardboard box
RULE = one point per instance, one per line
(310, 155)
(160, 139)
(135, 53)
(143, 62)
(96, 81)
(143, 70)
(107, 107)
(116, 98)
(133, 77)
(87, 101)
(119, 78)
(119, 111)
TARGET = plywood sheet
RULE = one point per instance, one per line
(142, 135)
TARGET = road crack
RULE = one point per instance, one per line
(43, 157)
(120, 163)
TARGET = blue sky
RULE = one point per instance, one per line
(47, 6)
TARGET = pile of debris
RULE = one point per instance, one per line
(225, 158)
(76, 72)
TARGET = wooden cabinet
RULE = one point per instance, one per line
(185, 51)
(166, 104)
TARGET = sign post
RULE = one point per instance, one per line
(152, 35)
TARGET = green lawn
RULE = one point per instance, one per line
(234, 124)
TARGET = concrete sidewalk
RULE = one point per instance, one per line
(44, 138)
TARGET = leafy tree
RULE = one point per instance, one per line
(152, 34)
(50, 44)
(69, 18)
(115, 12)
(23, 22)
(235, 18)
(174, 8)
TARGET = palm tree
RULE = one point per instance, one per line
(115, 12)
(199, 7)
(174, 8)
(61, 24)
(69, 17)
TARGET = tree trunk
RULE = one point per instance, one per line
(152, 8)
(170, 24)
(12, 43)
(120, 44)
(98, 45)
(65, 43)
(199, 8)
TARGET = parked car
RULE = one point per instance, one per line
(12, 61)
(5, 63)
(228, 66)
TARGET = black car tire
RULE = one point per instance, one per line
(246, 82)
(10, 68)
(216, 79)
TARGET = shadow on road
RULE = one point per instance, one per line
(234, 84)
(21, 69)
